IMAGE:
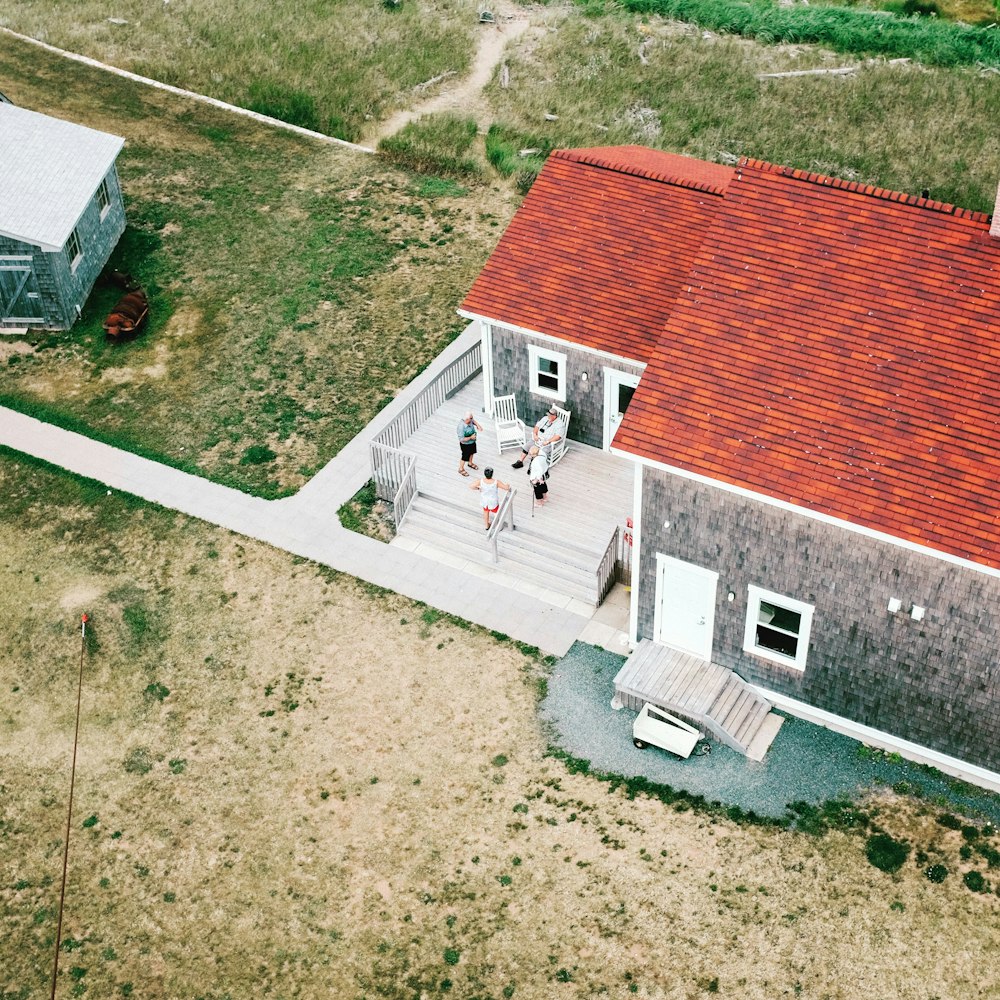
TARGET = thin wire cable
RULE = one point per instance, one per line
(69, 811)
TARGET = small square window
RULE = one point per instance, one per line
(104, 198)
(73, 250)
(777, 628)
(547, 373)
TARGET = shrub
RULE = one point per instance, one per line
(886, 853)
(504, 146)
(936, 873)
(921, 8)
(950, 821)
(970, 833)
(975, 881)
(139, 761)
(434, 144)
(452, 955)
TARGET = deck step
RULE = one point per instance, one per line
(457, 531)
(707, 694)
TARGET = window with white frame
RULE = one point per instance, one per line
(73, 250)
(547, 372)
(777, 628)
(103, 198)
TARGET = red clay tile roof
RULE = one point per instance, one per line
(599, 248)
(837, 346)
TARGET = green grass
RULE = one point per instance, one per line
(844, 29)
(899, 126)
(437, 144)
(294, 287)
(329, 67)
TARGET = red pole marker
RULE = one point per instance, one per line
(84, 618)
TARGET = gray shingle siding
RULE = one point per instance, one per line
(585, 400)
(935, 682)
(62, 288)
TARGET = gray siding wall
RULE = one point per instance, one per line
(61, 288)
(585, 400)
(933, 682)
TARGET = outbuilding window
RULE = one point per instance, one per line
(547, 373)
(73, 250)
(104, 198)
(777, 628)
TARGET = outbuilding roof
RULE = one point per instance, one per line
(599, 248)
(49, 171)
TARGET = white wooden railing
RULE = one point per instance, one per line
(504, 513)
(607, 569)
(406, 492)
(462, 370)
(394, 473)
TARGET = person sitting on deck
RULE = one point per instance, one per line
(546, 432)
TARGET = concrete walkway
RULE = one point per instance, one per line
(307, 523)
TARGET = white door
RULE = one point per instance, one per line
(619, 388)
(684, 615)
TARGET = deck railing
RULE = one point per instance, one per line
(461, 371)
(392, 469)
(504, 513)
(607, 569)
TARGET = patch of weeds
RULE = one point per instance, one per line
(156, 691)
(504, 880)
(886, 853)
(451, 956)
(434, 144)
(499, 760)
(970, 833)
(257, 454)
(949, 821)
(276, 100)
(366, 514)
(170, 897)
(177, 765)
(511, 152)
(90, 821)
(139, 761)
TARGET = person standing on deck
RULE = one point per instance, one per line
(467, 428)
(489, 494)
(538, 471)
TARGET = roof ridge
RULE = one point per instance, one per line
(575, 156)
(871, 190)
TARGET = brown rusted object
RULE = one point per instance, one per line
(128, 317)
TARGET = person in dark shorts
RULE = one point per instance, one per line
(467, 428)
(538, 467)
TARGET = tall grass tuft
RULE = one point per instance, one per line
(434, 144)
(864, 32)
(511, 151)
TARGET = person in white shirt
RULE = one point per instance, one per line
(546, 432)
(489, 494)
(538, 466)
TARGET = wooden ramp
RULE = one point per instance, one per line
(710, 696)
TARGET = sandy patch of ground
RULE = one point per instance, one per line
(10, 348)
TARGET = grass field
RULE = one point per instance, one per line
(295, 287)
(903, 127)
(289, 788)
(328, 66)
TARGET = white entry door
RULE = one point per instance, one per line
(684, 616)
(619, 387)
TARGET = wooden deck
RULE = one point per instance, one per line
(590, 494)
(708, 695)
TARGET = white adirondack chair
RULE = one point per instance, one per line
(509, 427)
(557, 449)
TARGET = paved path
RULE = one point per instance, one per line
(307, 524)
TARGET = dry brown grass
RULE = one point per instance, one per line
(394, 815)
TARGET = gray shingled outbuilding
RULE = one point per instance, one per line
(61, 215)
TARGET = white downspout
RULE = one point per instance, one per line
(486, 346)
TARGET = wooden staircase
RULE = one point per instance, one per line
(527, 553)
(710, 696)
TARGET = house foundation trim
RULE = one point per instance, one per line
(814, 515)
(562, 341)
(886, 741)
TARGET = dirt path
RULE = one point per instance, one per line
(463, 93)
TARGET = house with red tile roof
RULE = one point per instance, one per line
(806, 373)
